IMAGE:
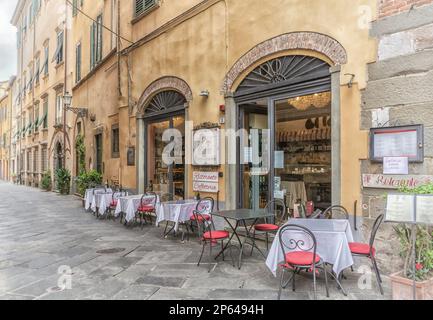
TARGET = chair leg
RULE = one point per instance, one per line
(293, 281)
(281, 283)
(267, 241)
(326, 280)
(314, 284)
(379, 279)
(202, 252)
(222, 248)
(210, 256)
(254, 242)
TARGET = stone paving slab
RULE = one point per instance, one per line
(42, 232)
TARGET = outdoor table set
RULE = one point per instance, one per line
(91, 201)
(333, 238)
(178, 212)
(330, 239)
(128, 206)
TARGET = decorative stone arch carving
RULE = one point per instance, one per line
(313, 41)
(162, 84)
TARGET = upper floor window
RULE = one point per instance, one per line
(143, 6)
(45, 66)
(58, 56)
(78, 62)
(96, 42)
(59, 109)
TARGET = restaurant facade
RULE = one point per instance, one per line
(283, 77)
(287, 92)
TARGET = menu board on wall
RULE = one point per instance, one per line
(397, 142)
(400, 208)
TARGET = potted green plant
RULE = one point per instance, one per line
(402, 282)
(46, 181)
(63, 179)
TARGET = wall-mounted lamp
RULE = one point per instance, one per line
(204, 93)
(352, 77)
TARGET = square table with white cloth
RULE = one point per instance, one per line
(101, 202)
(89, 196)
(176, 211)
(332, 236)
(130, 204)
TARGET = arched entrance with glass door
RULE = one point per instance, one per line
(284, 105)
(164, 126)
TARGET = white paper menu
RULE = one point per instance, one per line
(400, 208)
(424, 209)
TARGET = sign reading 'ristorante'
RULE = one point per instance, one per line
(381, 181)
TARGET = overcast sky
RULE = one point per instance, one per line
(7, 40)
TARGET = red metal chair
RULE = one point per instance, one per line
(368, 250)
(209, 236)
(299, 247)
(114, 200)
(147, 208)
(279, 209)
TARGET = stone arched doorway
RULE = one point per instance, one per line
(291, 66)
(163, 106)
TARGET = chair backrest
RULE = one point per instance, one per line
(294, 238)
(204, 207)
(119, 194)
(336, 212)
(151, 202)
(279, 209)
(374, 230)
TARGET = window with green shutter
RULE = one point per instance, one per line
(96, 42)
(78, 62)
(142, 6)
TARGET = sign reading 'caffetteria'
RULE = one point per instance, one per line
(205, 182)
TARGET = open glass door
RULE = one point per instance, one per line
(166, 177)
(255, 151)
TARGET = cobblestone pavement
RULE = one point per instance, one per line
(42, 232)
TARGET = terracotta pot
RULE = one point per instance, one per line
(402, 288)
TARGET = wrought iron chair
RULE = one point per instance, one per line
(299, 246)
(271, 225)
(147, 209)
(368, 250)
(202, 211)
(336, 212)
(211, 237)
(114, 201)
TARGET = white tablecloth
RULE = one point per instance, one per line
(101, 202)
(89, 196)
(176, 211)
(129, 205)
(332, 236)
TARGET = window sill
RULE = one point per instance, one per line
(59, 64)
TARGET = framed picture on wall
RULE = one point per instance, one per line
(130, 156)
(206, 147)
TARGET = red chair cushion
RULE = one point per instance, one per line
(146, 208)
(266, 227)
(201, 217)
(113, 203)
(300, 258)
(361, 248)
(216, 235)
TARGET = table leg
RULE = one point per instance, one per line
(231, 238)
(248, 236)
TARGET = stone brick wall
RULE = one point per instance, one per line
(399, 92)
(391, 7)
